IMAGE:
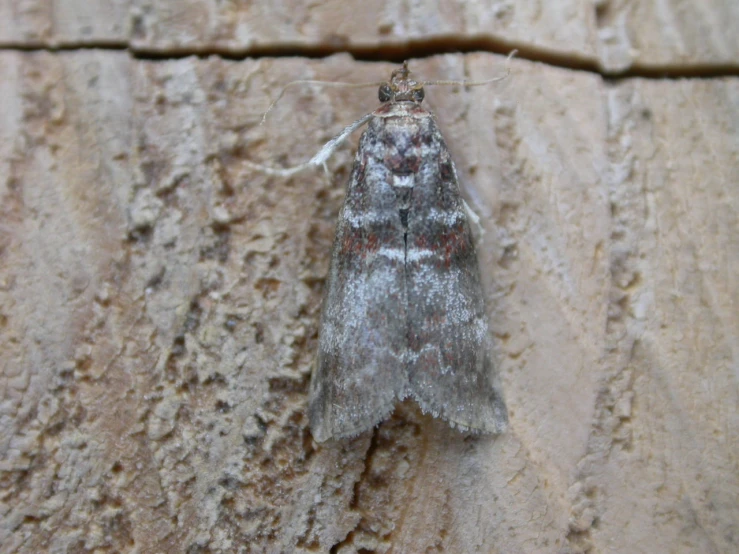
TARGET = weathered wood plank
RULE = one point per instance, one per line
(159, 305)
(674, 35)
(59, 23)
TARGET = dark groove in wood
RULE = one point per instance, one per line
(395, 53)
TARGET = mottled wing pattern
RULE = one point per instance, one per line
(360, 365)
(450, 369)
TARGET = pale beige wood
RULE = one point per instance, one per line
(60, 23)
(614, 35)
(159, 302)
(675, 35)
(565, 26)
(669, 408)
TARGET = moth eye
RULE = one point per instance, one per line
(385, 93)
(418, 95)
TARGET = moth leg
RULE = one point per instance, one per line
(319, 160)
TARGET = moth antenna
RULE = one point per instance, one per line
(477, 83)
(321, 83)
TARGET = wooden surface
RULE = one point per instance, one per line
(159, 299)
(615, 35)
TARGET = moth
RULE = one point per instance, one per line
(404, 312)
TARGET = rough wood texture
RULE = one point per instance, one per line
(159, 299)
(59, 23)
(159, 302)
(615, 34)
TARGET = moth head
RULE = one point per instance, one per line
(401, 87)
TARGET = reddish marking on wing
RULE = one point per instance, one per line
(422, 242)
(348, 244)
(356, 245)
(451, 242)
(402, 164)
(372, 244)
(447, 244)
(352, 245)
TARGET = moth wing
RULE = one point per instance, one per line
(451, 373)
(360, 369)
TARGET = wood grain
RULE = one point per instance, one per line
(159, 302)
(614, 35)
